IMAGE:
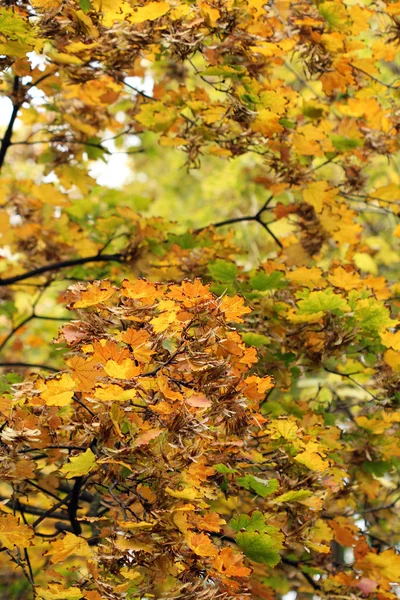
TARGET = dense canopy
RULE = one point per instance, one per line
(199, 309)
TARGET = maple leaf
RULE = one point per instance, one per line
(84, 372)
(230, 564)
(57, 392)
(165, 377)
(234, 309)
(210, 522)
(386, 563)
(126, 369)
(311, 457)
(56, 591)
(14, 533)
(150, 12)
(144, 438)
(113, 393)
(261, 487)
(69, 545)
(260, 547)
(79, 465)
(345, 280)
(142, 291)
(253, 522)
(96, 293)
(318, 193)
(201, 544)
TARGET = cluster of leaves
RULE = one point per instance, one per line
(154, 400)
(222, 415)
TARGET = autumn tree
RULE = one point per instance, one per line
(201, 360)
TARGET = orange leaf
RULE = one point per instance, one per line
(201, 544)
(230, 564)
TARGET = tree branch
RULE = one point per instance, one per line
(6, 141)
(73, 506)
(29, 365)
(63, 264)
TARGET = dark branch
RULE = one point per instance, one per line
(6, 142)
(33, 510)
(257, 218)
(29, 365)
(63, 264)
(73, 506)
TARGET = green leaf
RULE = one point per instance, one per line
(263, 282)
(294, 496)
(322, 300)
(253, 522)
(260, 547)
(312, 112)
(262, 487)
(343, 143)
(377, 468)
(95, 150)
(8, 380)
(187, 240)
(311, 570)
(8, 308)
(223, 271)
(169, 344)
(372, 315)
(287, 123)
(222, 289)
(85, 5)
(220, 468)
(255, 339)
(224, 71)
(79, 465)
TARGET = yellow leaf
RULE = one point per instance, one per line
(307, 318)
(365, 262)
(46, 4)
(57, 591)
(323, 548)
(150, 12)
(310, 277)
(135, 525)
(57, 392)
(69, 545)
(113, 10)
(162, 322)
(81, 126)
(311, 458)
(96, 292)
(391, 340)
(79, 465)
(345, 280)
(64, 59)
(123, 370)
(318, 193)
(188, 493)
(387, 564)
(13, 533)
(285, 428)
(113, 393)
(321, 532)
(267, 123)
(392, 358)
